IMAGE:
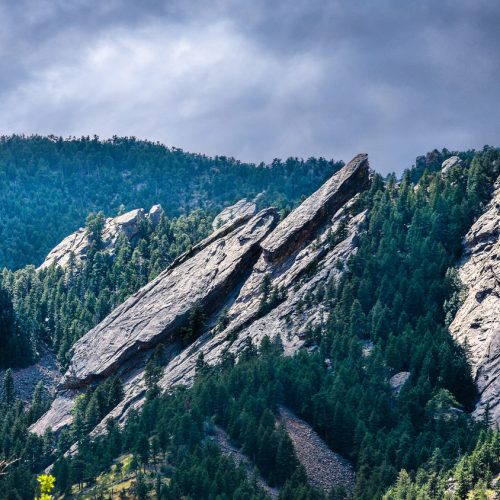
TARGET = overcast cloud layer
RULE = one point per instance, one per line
(257, 79)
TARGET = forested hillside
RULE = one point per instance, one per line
(49, 185)
(387, 315)
(56, 306)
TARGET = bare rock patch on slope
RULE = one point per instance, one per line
(325, 469)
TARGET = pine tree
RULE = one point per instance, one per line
(8, 391)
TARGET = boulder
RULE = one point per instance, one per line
(450, 163)
(155, 213)
(398, 380)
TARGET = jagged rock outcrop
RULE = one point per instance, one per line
(450, 163)
(240, 209)
(225, 273)
(155, 213)
(161, 309)
(302, 222)
(477, 322)
(78, 243)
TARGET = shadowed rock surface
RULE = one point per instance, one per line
(477, 322)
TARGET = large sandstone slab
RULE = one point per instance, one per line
(285, 320)
(295, 229)
(149, 316)
(158, 311)
(477, 322)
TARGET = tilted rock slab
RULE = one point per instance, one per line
(478, 320)
(78, 243)
(303, 221)
(161, 309)
(284, 321)
(127, 329)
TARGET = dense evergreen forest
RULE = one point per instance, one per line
(396, 296)
(48, 185)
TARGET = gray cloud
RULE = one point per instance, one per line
(257, 80)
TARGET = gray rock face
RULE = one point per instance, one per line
(78, 243)
(45, 370)
(398, 380)
(242, 208)
(161, 309)
(477, 322)
(293, 231)
(225, 272)
(155, 213)
(449, 163)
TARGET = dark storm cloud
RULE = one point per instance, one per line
(259, 79)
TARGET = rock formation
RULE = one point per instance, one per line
(251, 278)
(161, 309)
(398, 380)
(304, 221)
(450, 163)
(240, 209)
(477, 323)
(78, 243)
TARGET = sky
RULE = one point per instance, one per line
(258, 79)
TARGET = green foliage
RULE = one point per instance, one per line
(271, 296)
(8, 392)
(196, 322)
(470, 478)
(92, 406)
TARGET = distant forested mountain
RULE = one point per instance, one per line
(48, 185)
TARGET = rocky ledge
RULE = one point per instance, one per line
(477, 322)
(160, 310)
(304, 221)
(240, 209)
